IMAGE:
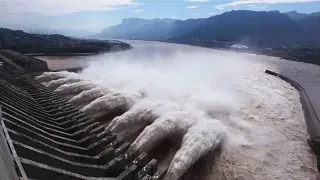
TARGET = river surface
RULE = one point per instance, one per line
(270, 141)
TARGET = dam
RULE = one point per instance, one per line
(270, 137)
(43, 136)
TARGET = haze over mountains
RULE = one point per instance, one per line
(294, 15)
(262, 28)
(41, 30)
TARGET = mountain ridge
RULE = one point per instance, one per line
(294, 15)
(251, 27)
(247, 26)
(43, 43)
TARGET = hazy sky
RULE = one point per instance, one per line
(94, 15)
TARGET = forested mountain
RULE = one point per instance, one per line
(155, 29)
(134, 28)
(249, 27)
(261, 28)
(294, 15)
(39, 43)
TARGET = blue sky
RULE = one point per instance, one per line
(94, 15)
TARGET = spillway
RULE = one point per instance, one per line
(245, 124)
(45, 137)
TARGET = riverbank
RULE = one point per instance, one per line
(56, 44)
(293, 53)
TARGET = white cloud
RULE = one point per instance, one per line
(212, 13)
(195, 14)
(220, 7)
(244, 2)
(138, 10)
(198, 0)
(255, 6)
(252, 6)
(57, 7)
(192, 7)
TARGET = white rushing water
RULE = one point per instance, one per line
(74, 88)
(209, 97)
(169, 124)
(142, 114)
(56, 83)
(85, 97)
(49, 76)
(110, 102)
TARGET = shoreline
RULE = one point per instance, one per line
(245, 51)
(75, 54)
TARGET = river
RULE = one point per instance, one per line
(266, 128)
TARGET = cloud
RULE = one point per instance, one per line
(220, 7)
(253, 6)
(212, 13)
(244, 2)
(198, 0)
(195, 14)
(57, 7)
(137, 10)
(192, 7)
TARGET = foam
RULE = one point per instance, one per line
(75, 88)
(201, 138)
(49, 76)
(169, 124)
(87, 96)
(110, 102)
(67, 80)
(140, 115)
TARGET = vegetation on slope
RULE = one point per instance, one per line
(36, 43)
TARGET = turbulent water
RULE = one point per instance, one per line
(85, 97)
(211, 99)
(56, 83)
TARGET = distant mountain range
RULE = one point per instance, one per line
(140, 29)
(294, 15)
(251, 28)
